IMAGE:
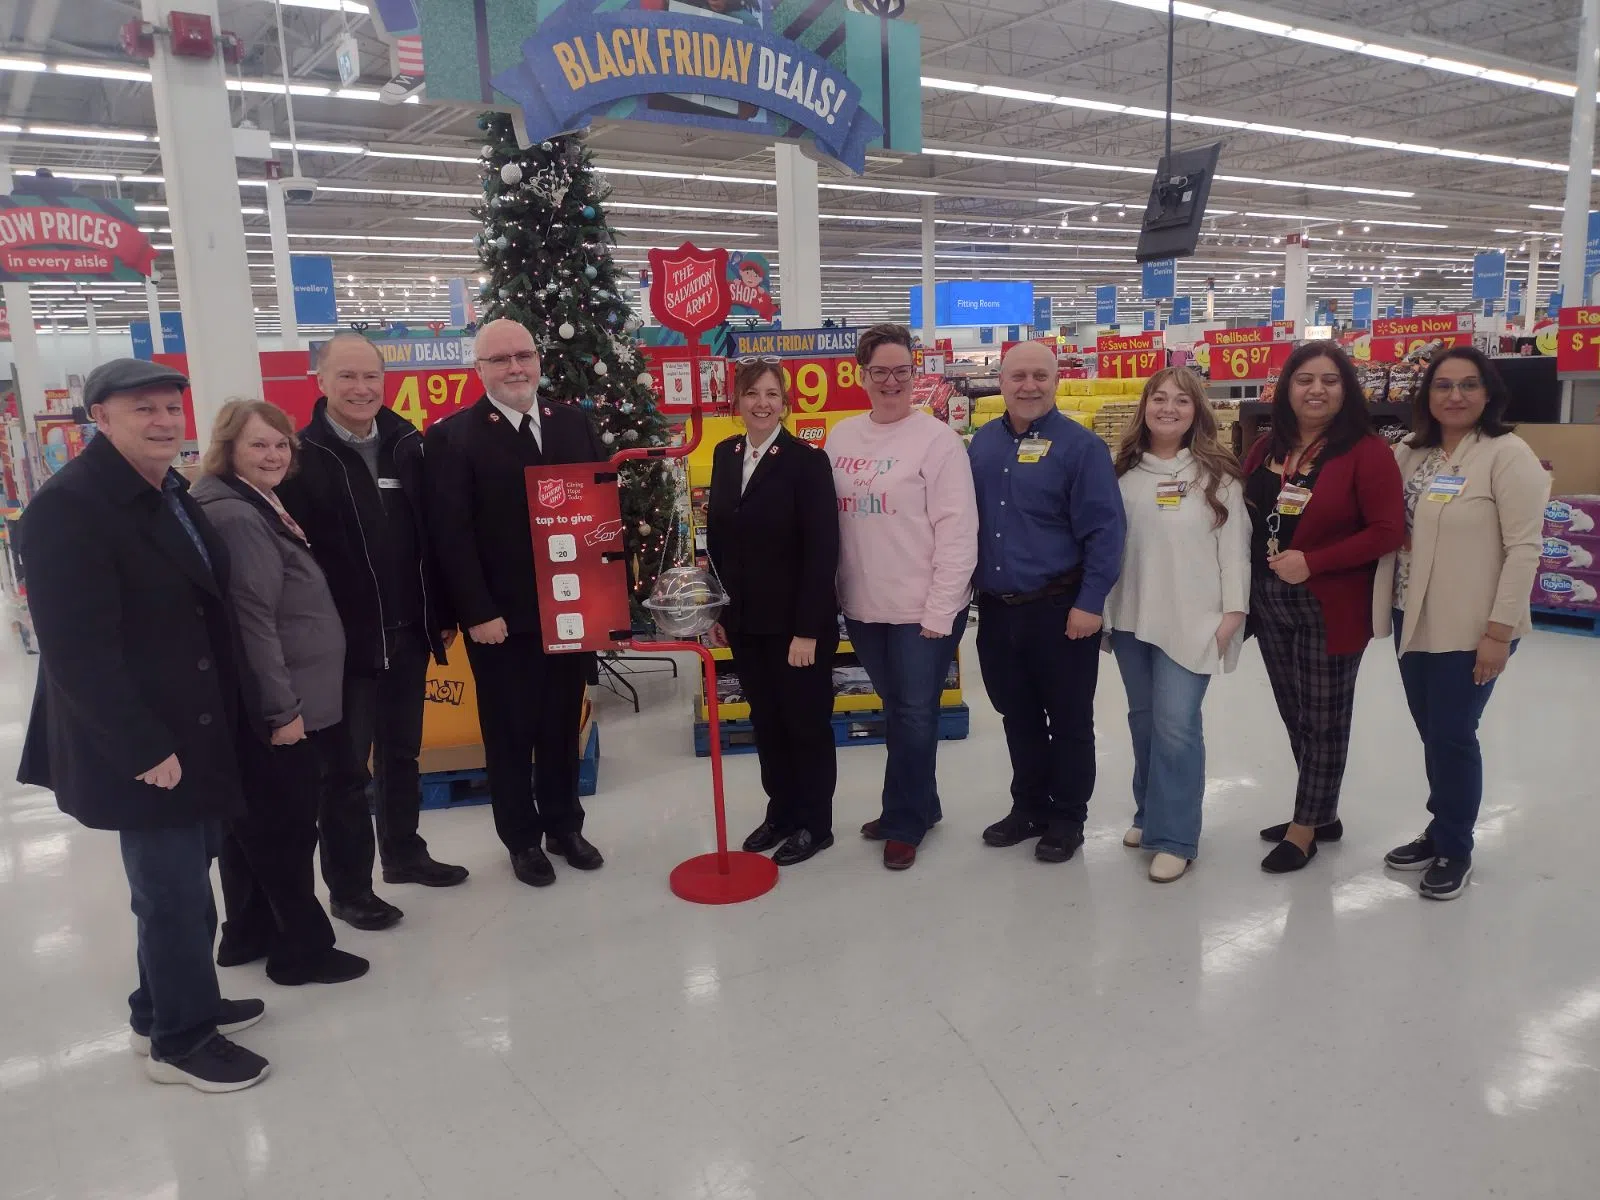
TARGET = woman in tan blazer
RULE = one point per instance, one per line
(1457, 594)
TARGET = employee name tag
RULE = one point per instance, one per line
(385, 482)
(1171, 493)
(1292, 500)
(1446, 488)
(1031, 450)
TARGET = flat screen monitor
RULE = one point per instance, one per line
(1171, 226)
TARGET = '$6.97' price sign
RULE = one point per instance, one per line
(1253, 353)
(423, 397)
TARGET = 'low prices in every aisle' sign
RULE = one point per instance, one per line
(55, 238)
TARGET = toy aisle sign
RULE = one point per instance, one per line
(750, 286)
(843, 78)
(1256, 352)
(1578, 343)
(1130, 356)
(1395, 337)
(56, 238)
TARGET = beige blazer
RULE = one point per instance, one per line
(1473, 559)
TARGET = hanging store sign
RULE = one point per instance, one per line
(754, 66)
(1256, 352)
(750, 286)
(56, 238)
(1395, 337)
(787, 342)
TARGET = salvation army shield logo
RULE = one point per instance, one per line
(552, 493)
(689, 288)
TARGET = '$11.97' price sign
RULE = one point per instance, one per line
(1130, 364)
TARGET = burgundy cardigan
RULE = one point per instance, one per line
(1356, 515)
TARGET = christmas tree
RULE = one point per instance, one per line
(546, 246)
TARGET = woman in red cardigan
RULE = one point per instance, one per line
(1326, 503)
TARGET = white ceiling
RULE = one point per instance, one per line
(1401, 136)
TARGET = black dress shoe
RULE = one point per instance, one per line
(1331, 832)
(235, 952)
(800, 847)
(366, 912)
(1011, 829)
(425, 871)
(533, 868)
(1058, 845)
(1286, 857)
(330, 966)
(575, 848)
(766, 836)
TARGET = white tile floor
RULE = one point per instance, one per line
(983, 1026)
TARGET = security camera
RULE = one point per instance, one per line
(299, 190)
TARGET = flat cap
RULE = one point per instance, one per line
(128, 375)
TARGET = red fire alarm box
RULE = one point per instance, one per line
(191, 35)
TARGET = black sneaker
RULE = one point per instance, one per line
(1446, 878)
(1416, 855)
(215, 1065)
(232, 1016)
(1058, 845)
(1011, 829)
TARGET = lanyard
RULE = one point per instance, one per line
(1293, 466)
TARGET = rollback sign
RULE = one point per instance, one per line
(63, 238)
(691, 288)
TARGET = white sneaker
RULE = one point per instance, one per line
(1134, 838)
(1164, 867)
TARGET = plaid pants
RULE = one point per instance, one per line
(1315, 691)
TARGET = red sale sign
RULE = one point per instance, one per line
(1578, 343)
(1130, 356)
(575, 511)
(54, 238)
(1395, 337)
(1256, 352)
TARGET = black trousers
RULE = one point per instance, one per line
(1042, 684)
(268, 884)
(792, 711)
(530, 705)
(383, 718)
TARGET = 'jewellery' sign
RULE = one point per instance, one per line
(580, 62)
(68, 238)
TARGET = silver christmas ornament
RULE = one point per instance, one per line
(644, 379)
(511, 173)
(601, 369)
(566, 330)
(608, 438)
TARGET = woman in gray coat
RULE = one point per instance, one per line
(294, 655)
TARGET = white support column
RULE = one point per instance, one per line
(202, 186)
(1580, 156)
(799, 239)
(278, 222)
(24, 335)
(930, 309)
(1211, 304)
(1530, 300)
(152, 303)
(92, 323)
(1296, 270)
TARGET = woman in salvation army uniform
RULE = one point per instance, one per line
(772, 531)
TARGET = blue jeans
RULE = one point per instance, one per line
(908, 672)
(1446, 705)
(169, 876)
(1169, 749)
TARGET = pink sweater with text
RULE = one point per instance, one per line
(908, 521)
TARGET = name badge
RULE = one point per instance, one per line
(1446, 488)
(1292, 500)
(1171, 493)
(1031, 450)
(385, 482)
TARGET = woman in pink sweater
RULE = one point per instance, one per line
(908, 544)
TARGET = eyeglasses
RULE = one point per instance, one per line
(765, 360)
(884, 374)
(523, 358)
(1467, 387)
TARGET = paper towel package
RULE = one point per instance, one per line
(1565, 516)
(1567, 589)
(1575, 552)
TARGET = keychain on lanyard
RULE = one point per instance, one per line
(1292, 497)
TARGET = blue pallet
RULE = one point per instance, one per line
(453, 789)
(1566, 620)
(864, 728)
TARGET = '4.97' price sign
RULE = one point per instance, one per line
(423, 397)
(1578, 345)
(1130, 356)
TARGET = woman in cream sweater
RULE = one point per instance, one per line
(1177, 613)
(1456, 595)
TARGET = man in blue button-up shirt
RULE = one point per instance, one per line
(1050, 534)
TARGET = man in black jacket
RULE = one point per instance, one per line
(139, 705)
(358, 495)
(530, 703)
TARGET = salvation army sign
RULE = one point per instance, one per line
(53, 238)
(582, 61)
(689, 292)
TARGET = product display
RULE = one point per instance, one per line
(1569, 559)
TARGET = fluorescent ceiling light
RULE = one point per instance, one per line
(391, 191)
(349, 6)
(321, 147)
(373, 152)
(96, 71)
(73, 131)
(11, 63)
(354, 93)
(862, 187)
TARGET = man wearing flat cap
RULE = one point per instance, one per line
(138, 706)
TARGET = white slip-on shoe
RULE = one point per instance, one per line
(1165, 868)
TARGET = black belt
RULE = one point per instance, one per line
(1056, 587)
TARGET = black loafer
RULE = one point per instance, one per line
(766, 836)
(1057, 846)
(425, 871)
(575, 848)
(801, 846)
(1286, 857)
(1331, 832)
(366, 912)
(1011, 829)
(533, 868)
